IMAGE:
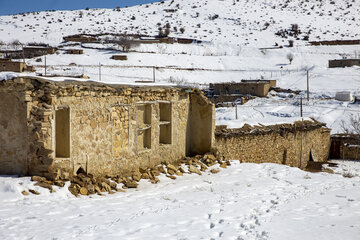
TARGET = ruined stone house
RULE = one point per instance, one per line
(56, 129)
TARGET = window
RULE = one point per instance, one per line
(143, 131)
(165, 123)
(62, 133)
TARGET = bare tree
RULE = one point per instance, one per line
(16, 44)
(351, 127)
(125, 42)
(290, 57)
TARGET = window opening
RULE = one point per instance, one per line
(62, 133)
(165, 123)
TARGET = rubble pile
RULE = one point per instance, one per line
(87, 184)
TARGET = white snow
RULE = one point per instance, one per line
(244, 201)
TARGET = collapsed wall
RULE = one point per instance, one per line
(291, 144)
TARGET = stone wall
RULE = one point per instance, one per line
(345, 146)
(290, 144)
(13, 132)
(344, 63)
(110, 129)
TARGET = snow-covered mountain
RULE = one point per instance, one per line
(239, 22)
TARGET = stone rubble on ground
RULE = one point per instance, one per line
(86, 184)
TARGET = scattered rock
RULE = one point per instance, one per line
(171, 171)
(131, 184)
(193, 169)
(172, 177)
(214, 171)
(83, 191)
(171, 167)
(223, 165)
(145, 175)
(59, 183)
(136, 176)
(34, 191)
(25, 193)
(38, 179)
(44, 185)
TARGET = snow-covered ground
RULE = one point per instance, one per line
(244, 201)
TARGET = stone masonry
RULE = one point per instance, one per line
(57, 129)
(291, 144)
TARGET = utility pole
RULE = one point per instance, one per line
(153, 73)
(301, 108)
(99, 72)
(45, 65)
(307, 84)
(236, 111)
(23, 55)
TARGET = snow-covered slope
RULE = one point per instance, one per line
(239, 22)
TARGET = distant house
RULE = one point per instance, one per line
(345, 146)
(74, 51)
(7, 65)
(344, 63)
(258, 88)
(81, 38)
(37, 51)
(119, 57)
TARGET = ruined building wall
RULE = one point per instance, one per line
(345, 146)
(288, 146)
(107, 130)
(109, 135)
(202, 124)
(13, 132)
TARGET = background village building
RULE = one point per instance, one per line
(344, 63)
(345, 146)
(7, 65)
(258, 88)
(56, 129)
(119, 57)
(37, 51)
(74, 51)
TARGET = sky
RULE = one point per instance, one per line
(8, 7)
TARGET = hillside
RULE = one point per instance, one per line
(238, 40)
(245, 22)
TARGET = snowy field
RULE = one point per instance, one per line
(244, 201)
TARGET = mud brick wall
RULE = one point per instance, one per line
(290, 144)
